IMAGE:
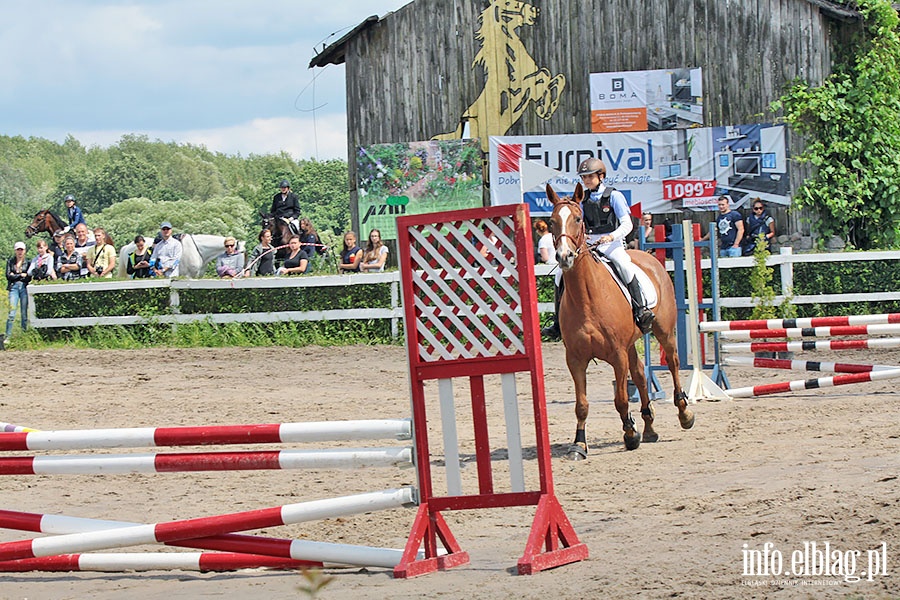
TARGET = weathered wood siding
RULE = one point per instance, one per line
(410, 76)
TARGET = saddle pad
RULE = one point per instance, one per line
(647, 287)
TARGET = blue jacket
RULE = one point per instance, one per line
(75, 217)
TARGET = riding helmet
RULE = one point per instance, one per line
(591, 165)
(69, 197)
(285, 183)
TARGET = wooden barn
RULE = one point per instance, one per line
(441, 69)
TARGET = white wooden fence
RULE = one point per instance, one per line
(784, 261)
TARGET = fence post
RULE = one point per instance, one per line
(787, 271)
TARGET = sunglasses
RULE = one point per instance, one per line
(757, 208)
(229, 245)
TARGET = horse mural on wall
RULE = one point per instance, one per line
(513, 80)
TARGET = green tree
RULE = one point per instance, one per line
(851, 126)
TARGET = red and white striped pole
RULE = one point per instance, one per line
(205, 461)
(844, 330)
(150, 561)
(306, 553)
(145, 437)
(802, 365)
(208, 526)
(812, 345)
(795, 323)
(809, 384)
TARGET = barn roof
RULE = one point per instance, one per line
(335, 54)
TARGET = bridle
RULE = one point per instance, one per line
(42, 217)
(579, 241)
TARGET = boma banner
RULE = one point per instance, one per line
(657, 171)
(415, 178)
(646, 100)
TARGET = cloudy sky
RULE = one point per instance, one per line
(228, 74)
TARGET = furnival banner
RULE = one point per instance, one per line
(657, 171)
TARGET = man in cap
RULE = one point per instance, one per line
(74, 213)
(286, 205)
(166, 253)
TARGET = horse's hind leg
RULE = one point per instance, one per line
(636, 368)
(667, 341)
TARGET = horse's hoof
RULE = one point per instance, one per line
(687, 419)
(633, 442)
(577, 452)
(650, 436)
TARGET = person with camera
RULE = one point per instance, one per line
(41, 266)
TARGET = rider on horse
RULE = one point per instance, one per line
(73, 212)
(607, 220)
(286, 205)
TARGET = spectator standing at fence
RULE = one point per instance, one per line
(166, 253)
(730, 226)
(230, 262)
(309, 238)
(83, 241)
(138, 265)
(546, 251)
(70, 264)
(73, 213)
(42, 265)
(56, 245)
(101, 257)
(297, 260)
(351, 255)
(759, 223)
(262, 257)
(375, 255)
(17, 279)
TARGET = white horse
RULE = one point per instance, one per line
(197, 250)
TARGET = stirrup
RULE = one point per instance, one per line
(643, 318)
(552, 333)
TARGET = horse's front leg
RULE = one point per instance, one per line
(632, 435)
(579, 449)
(636, 368)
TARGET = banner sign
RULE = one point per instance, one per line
(657, 171)
(646, 100)
(415, 178)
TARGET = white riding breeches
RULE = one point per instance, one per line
(615, 251)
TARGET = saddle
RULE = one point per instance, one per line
(643, 280)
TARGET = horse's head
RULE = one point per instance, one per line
(567, 226)
(511, 14)
(44, 220)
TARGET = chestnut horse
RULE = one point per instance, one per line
(44, 220)
(596, 321)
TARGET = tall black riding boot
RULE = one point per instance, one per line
(551, 331)
(643, 316)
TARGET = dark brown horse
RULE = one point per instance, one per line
(595, 320)
(44, 220)
(281, 234)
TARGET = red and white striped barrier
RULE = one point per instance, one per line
(810, 384)
(208, 526)
(709, 326)
(812, 345)
(305, 553)
(752, 334)
(144, 437)
(354, 458)
(148, 561)
(802, 365)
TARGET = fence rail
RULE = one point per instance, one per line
(784, 261)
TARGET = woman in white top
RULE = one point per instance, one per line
(375, 255)
(42, 265)
(545, 242)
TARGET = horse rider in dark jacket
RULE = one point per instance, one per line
(286, 205)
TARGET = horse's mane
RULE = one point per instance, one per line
(488, 27)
